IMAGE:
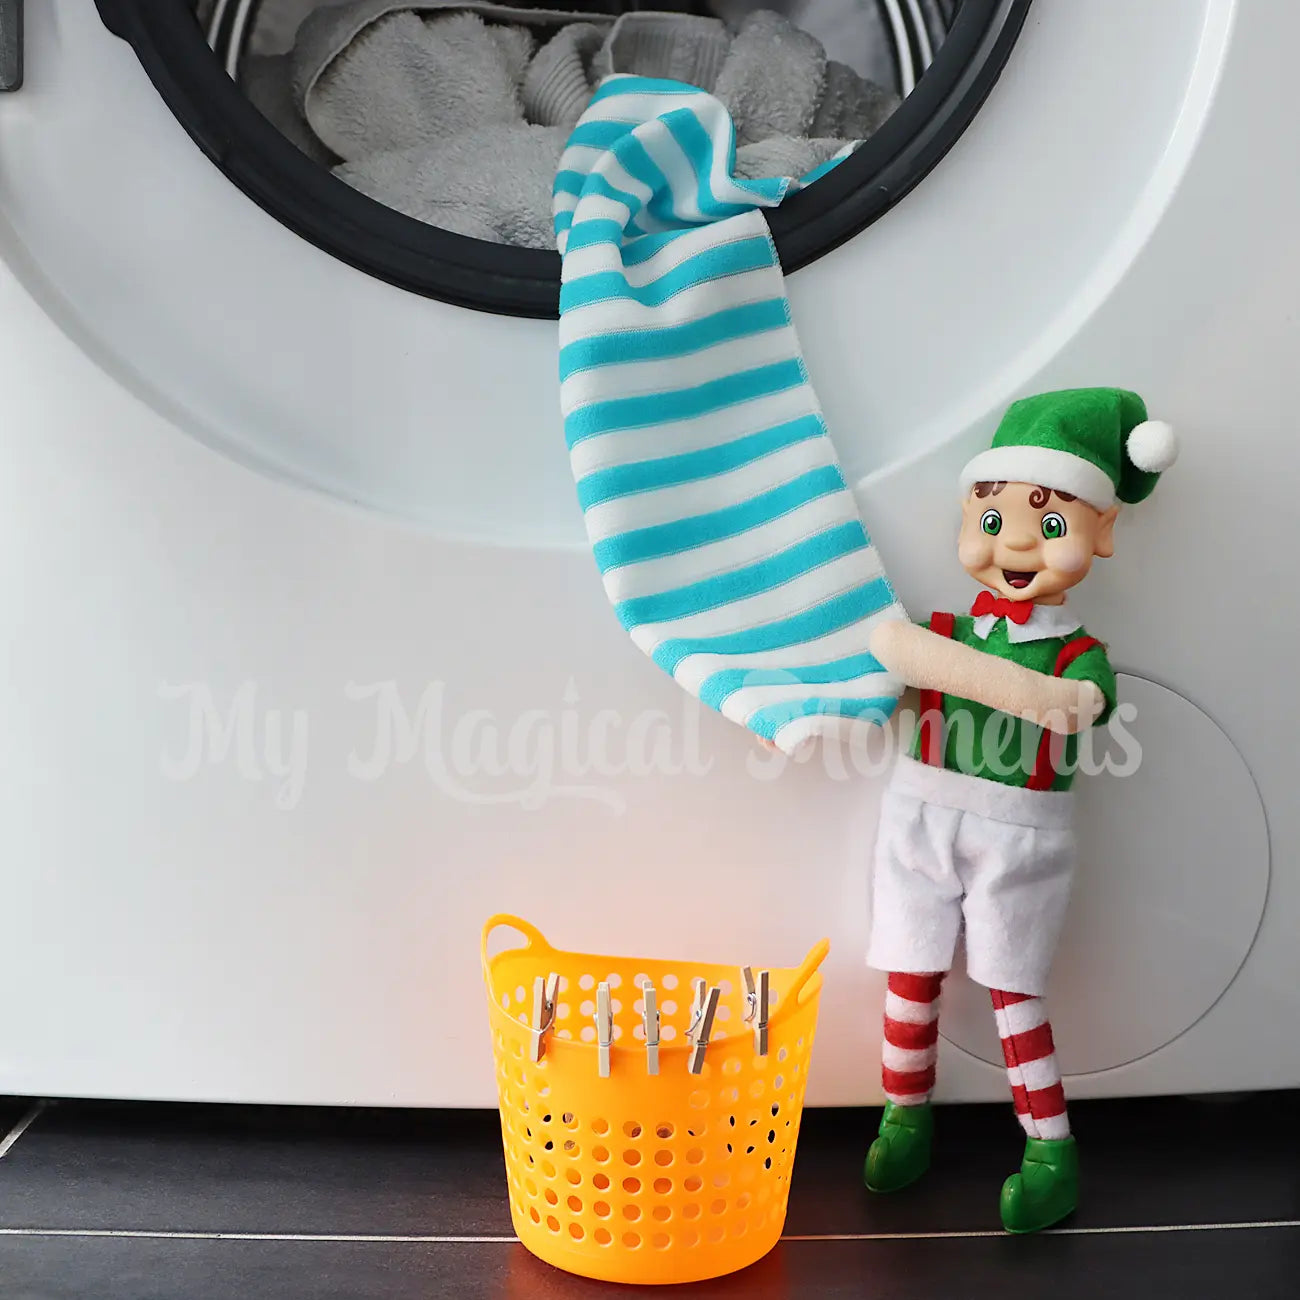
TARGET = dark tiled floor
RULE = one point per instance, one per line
(85, 1173)
(258, 1170)
(12, 1110)
(1248, 1266)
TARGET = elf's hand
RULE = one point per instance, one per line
(924, 659)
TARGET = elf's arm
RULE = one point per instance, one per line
(932, 662)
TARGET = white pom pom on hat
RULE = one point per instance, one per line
(1152, 446)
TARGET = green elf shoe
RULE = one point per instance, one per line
(1046, 1190)
(901, 1154)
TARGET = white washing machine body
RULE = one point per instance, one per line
(308, 670)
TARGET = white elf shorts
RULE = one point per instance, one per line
(956, 848)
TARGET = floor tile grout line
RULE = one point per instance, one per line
(328, 1238)
(343, 1238)
(9, 1140)
(1117, 1230)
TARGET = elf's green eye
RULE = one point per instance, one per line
(1053, 526)
(991, 522)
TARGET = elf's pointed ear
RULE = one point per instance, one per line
(1104, 546)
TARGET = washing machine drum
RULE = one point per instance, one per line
(940, 56)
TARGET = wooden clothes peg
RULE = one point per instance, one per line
(699, 992)
(545, 992)
(757, 997)
(650, 1018)
(604, 1028)
(702, 1028)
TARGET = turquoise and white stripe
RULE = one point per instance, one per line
(727, 540)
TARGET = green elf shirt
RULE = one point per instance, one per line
(997, 746)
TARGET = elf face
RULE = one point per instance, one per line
(1028, 543)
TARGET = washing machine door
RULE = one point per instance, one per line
(237, 326)
(944, 58)
(291, 352)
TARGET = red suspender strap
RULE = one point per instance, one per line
(1071, 651)
(932, 704)
(1045, 762)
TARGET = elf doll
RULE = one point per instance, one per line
(975, 825)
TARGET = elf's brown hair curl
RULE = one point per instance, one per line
(1040, 496)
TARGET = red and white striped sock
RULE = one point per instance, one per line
(1030, 1054)
(911, 1043)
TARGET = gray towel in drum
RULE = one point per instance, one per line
(559, 81)
(414, 95)
(676, 47)
(443, 183)
(783, 155)
(772, 80)
(851, 107)
(414, 98)
(566, 70)
(410, 80)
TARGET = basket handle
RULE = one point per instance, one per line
(533, 937)
(808, 969)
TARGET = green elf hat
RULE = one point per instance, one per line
(1095, 443)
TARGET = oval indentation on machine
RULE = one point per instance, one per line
(1169, 893)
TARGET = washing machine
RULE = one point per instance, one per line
(308, 670)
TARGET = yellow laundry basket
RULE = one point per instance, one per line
(640, 1177)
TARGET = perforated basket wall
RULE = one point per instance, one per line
(647, 1178)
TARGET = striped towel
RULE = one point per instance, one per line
(727, 540)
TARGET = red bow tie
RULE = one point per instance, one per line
(1018, 611)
